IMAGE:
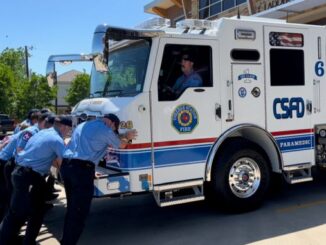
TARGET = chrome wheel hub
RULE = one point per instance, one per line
(244, 177)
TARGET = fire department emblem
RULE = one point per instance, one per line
(184, 118)
(247, 76)
(242, 92)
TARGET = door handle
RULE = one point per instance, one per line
(218, 111)
(309, 106)
(199, 90)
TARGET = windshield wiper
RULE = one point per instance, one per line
(118, 91)
(96, 92)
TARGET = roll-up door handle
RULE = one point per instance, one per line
(218, 111)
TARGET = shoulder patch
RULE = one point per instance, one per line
(27, 135)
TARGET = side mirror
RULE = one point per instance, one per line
(100, 64)
(51, 73)
(64, 59)
(98, 59)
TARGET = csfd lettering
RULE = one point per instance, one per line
(284, 108)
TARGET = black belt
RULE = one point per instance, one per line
(29, 170)
(79, 162)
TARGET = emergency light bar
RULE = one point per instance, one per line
(195, 24)
(154, 23)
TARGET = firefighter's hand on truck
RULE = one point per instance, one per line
(127, 137)
(131, 134)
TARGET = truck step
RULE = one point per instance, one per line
(298, 173)
(179, 192)
(300, 180)
(178, 185)
(181, 201)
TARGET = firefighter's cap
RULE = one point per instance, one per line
(114, 119)
(64, 120)
(188, 56)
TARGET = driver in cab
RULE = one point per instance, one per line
(189, 78)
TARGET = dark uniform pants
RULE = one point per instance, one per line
(27, 203)
(78, 177)
(8, 169)
(3, 191)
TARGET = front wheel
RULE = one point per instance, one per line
(240, 178)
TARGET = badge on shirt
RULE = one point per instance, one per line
(27, 136)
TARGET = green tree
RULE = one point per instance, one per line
(12, 61)
(6, 87)
(15, 59)
(79, 89)
(18, 94)
(35, 93)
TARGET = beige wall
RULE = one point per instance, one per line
(316, 15)
(62, 93)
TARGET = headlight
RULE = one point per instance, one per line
(322, 133)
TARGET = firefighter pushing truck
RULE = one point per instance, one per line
(259, 112)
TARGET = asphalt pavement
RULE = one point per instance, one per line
(294, 214)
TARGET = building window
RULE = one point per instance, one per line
(209, 8)
(227, 4)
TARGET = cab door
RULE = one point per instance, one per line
(184, 127)
(289, 89)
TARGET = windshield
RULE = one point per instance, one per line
(127, 68)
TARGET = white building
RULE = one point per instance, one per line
(64, 82)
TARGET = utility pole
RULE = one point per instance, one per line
(55, 83)
(26, 62)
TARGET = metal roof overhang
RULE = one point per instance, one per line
(159, 7)
(293, 7)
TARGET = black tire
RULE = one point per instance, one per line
(240, 160)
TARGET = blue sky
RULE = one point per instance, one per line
(62, 26)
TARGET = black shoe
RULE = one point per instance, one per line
(51, 197)
(18, 240)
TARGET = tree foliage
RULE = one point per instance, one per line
(79, 89)
(19, 94)
(35, 93)
(15, 59)
(6, 86)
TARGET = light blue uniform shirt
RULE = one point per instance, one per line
(183, 82)
(26, 134)
(10, 149)
(90, 141)
(41, 150)
(25, 122)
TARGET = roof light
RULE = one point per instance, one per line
(195, 24)
(154, 23)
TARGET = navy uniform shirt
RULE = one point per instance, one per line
(27, 122)
(41, 150)
(90, 141)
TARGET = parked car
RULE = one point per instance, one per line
(6, 123)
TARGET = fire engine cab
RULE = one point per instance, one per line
(257, 112)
